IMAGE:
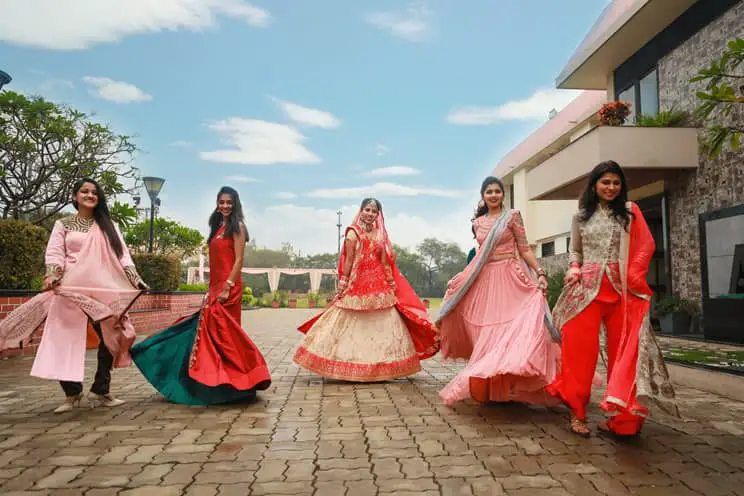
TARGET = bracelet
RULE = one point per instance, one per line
(574, 265)
(540, 271)
(230, 283)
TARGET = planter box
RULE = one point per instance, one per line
(676, 324)
(274, 304)
(292, 303)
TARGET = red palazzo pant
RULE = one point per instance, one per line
(580, 351)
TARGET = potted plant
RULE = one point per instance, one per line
(427, 303)
(275, 299)
(312, 300)
(675, 314)
(613, 113)
(292, 301)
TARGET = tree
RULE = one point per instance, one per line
(170, 238)
(123, 214)
(45, 147)
(441, 261)
(722, 99)
(412, 267)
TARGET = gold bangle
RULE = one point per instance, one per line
(230, 283)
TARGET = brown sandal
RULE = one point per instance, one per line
(579, 427)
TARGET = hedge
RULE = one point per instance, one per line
(22, 247)
(160, 272)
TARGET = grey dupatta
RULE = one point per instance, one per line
(479, 261)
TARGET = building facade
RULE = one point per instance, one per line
(645, 52)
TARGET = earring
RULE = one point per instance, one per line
(481, 204)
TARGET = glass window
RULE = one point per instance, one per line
(649, 91)
(629, 96)
(548, 249)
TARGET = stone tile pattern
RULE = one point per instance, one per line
(149, 313)
(309, 436)
(716, 183)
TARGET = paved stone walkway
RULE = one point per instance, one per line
(307, 436)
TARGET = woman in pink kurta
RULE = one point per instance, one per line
(495, 314)
(90, 277)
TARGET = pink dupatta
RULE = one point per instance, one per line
(94, 287)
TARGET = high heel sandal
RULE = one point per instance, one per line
(579, 427)
(70, 403)
(105, 400)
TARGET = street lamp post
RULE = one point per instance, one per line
(4, 79)
(153, 185)
(338, 240)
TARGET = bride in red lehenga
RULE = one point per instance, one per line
(376, 328)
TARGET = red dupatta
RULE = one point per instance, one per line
(424, 335)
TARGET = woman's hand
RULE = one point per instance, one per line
(542, 284)
(49, 283)
(342, 285)
(391, 282)
(224, 295)
(572, 276)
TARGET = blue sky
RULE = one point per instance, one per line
(306, 107)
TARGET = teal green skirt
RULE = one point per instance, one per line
(164, 361)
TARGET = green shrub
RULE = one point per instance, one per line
(22, 247)
(160, 272)
(555, 286)
(247, 291)
(194, 288)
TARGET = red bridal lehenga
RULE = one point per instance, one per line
(373, 331)
(206, 358)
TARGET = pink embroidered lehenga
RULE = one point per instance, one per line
(495, 315)
(94, 284)
(375, 330)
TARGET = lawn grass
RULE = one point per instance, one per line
(722, 359)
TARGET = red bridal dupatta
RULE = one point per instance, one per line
(424, 335)
(95, 287)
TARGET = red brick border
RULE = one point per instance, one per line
(150, 313)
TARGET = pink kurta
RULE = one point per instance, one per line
(95, 284)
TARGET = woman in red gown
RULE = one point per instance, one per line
(215, 360)
(611, 248)
(376, 328)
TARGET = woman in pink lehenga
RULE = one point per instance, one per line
(90, 277)
(495, 314)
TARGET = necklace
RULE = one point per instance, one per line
(366, 227)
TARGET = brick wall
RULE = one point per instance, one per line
(150, 313)
(716, 183)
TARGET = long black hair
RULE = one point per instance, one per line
(236, 220)
(482, 207)
(589, 200)
(101, 214)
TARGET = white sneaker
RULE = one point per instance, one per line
(105, 400)
(70, 403)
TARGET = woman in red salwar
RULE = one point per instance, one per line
(611, 248)
(376, 328)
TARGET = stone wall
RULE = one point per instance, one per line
(150, 313)
(716, 183)
(554, 263)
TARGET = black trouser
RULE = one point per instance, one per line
(102, 382)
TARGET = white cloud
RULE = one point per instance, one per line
(53, 84)
(535, 107)
(413, 24)
(80, 24)
(242, 179)
(382, 189)
(381, 150)
(394, 170)
(285, 195)
(182, 144)
(257, 142)
(308, 116)
(116, 91)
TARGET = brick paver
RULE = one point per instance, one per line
(309, 436)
